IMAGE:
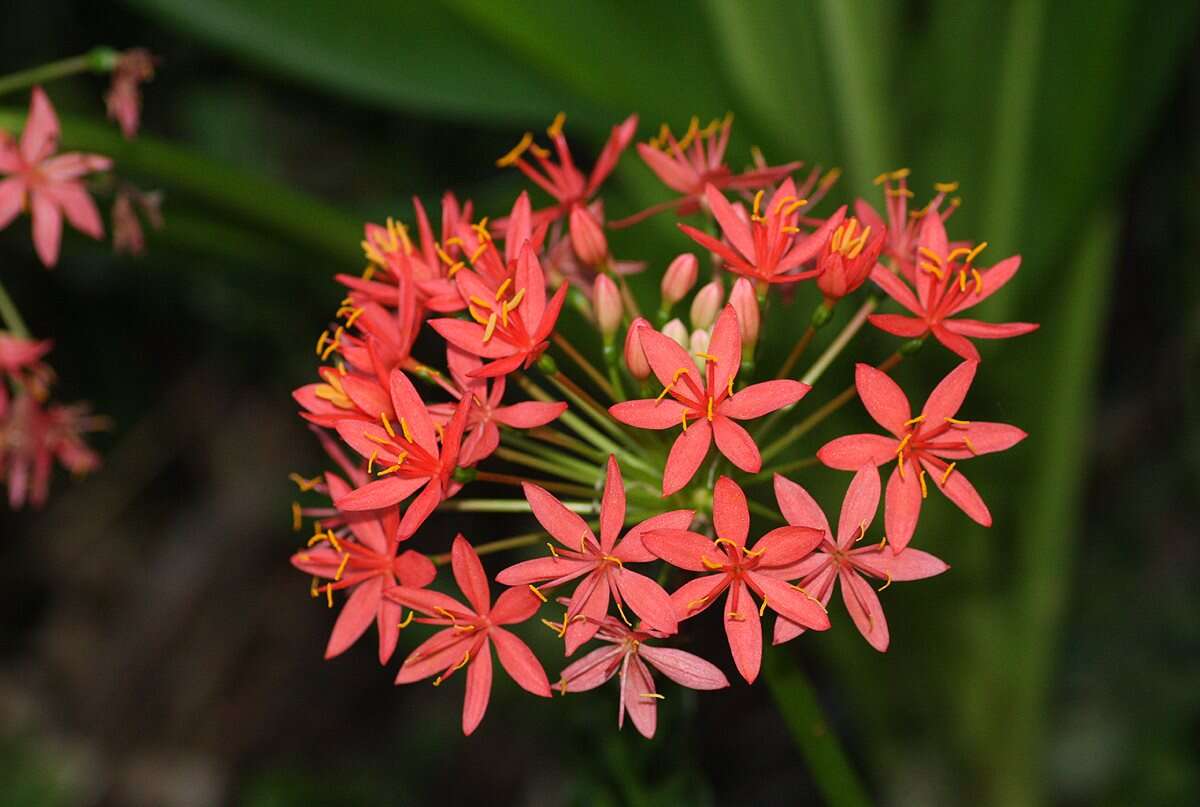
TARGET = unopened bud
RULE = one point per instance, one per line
(606, 300)
(675, 329)
(707, 304)
(745, 303)
(679, 279)
(587, 237)
(635, 356)
(699, 344)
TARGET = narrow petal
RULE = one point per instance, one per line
(612, 506)
(77, 205)
(408, 405)
(859, 506)
(819, 588)
(469, 575)
(479, 688)
(736, 231)
(902, 506)
(647, 599)
(851, 452)
(962, 493)
(897, 289)
(697, 594)
(883, 398)
(865, 608)
(948, 395)
(789, 603)
(785, 546)
(433, 656)
(726, 344)
(387, 624)
(419, 509)
(515, 605)
(356, 616)
(568, 528)
(637, 696)
(631, 549)
(649, 413)
(520, 663)
(414, 569)
(427, 601)
(736, 444)
(40, 137)
(988, 330)
(12, 198)
(529, 414)
(675, 175)
(743, 629)
(591, 670)
(807, 248)
(682, 548)
(47, 228)
(590, 601)
(541, 569)
(468, 336)
(731, 515)
(955, 342)
(991, 281)
(907, 564)
(899, 325)
(689, 450)
(379, 494)
(757, 400)
(685, 669)
(984, 437)
(666, 358)
(799, 508)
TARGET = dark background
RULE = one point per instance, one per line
(156, 648)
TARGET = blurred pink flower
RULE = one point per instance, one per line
(124, 97)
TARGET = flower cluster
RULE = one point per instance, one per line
(636, 462)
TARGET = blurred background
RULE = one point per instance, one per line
(157, 649)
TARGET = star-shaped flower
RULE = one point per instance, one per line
(705, 408)
(729, 566)
(928, 446)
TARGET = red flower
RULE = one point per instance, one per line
(406, 456)
(469, 635)
(47, 184)
(512, 323)
(564, 181)
(836, 560)
(628, 653)
(698, 159)
(602, 561)
(770, 245)
(709, 403)
(903, 227)
(847, 258)
(486, 414)
(922, 445)
(730, 565)
(361, 556)
(945, 287)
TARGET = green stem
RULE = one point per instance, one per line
(612, 358)
(568, 488)
(11, 316)
(574, 355)
(521, 458)
(767, 474)
(515, 542)
(97, 60)
(552, 458)
(591, 407)
(555, 437)
(569, 418)
(504, 506)
(828, 763)
(840, 341)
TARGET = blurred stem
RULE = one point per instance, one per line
(515, 542)
(797, 351)
(574, 355)
(592, 408)
(504, 506)
(554, 437)
(549, 466)
(97, 60)
(767, 474)
(827, 762)
(552, 458)
(568, 418)
(549, 484)
(251, 199)
(11, 316)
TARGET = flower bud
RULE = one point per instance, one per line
(635, 356)
(848, 257)
(707, 304)
(699, 344)
(606, 301)
(675, 329)
(745, 303)
(679, 279)
(587, 237)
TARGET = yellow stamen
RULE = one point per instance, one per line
(515, 301)
(454, 267)
(790, 230)
(321, 341)
(305, 485)
(707, 357)
(973, 254)
(481, 229)
(368, 273)
(375, 438)
(556, 126)
(794, 206)
(888, 583)
(297, 517)
(371, 461)
(710, 409)
(735, 616)
(924, 490)
(697, 602)
(905, 192)
(353, 318)
(914, 421)
(621, 611)
(978, 280)
(945, 187)
(954, 253)
(762, 609)
(949, 470)
(683, 419)
(958, 422)
(932, 256)
(332, 539)
(539, 594)
(404, 428)
(490, 329)
(830, 178)
(553, 551)
(329, 595)
(515, 154)
(387, 424)
(654, 695)
(503, 287)
(962, 280)
(342, 566)
(758, 197)
(904, 443)
(407, 620)
(931, 269)
(612, 559)
(314, 588)
(862, 531)
(970, 447)
(754, 553)
(479, 250)
(711, 565)
(734, 544)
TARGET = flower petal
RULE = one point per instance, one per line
(529, 414)
(649, 413)
(666, 358)
(685, 669)
(469, 574)
(77, 205)
(899, 325)
(697, 594)
(689, 450)
(736, 231)
(789, 603)
(479, 688)
(883, 398)
(962, 493)
(591, 670)
(988, 330)
(540, 569)
(12, 199)
(681, 548)
(726, 344)
(612, 506)
(411, 409)
(568, 528)
(647, 599)
(859, 506)
(379, 494)
(907, 564)
(637, 696)
(519, 662)
(991, 281)
(515, 605)
(468, 336)
(948, 395)
(356, 615)
(731, 515)
(632, 549)
(40, 137)
(434, 655)
(427, 601)
(819, 588)
(743, 629)
(851, 452)
(419, 509)
(798, 506)
(757, 400)
(414, 569)
(986, 438)
(902, 506)
(591, 601)
(865, 608)
(955, 342)
(47, 227)
(736, 444)
(785, 546)
(897, 289)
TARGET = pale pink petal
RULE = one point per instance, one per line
(948, 395)
(743, 629)
(798, 506)
(649, 413)
(907, 564)
(40, 138)
(675, 175)
(637, 696)
(684, 668)
(790, 603)
(757, 400)
(962, 493)
(411, 409)
(520, 663)
(666, 358)
(865, 609)
(631, 549)
(902, 506)
(612, 506)
(419, 509)
(697, 594)
(12, 200)
(356, 615)
(414, 569)
(519, 228)
(561, 523)
(859, 506)
(682, 548)
(427, 601)
(387, 624)
(47, 227)
(867, 215)
(367, 395)
(479, 688)
(77, 205)
(819, 588)
(731, 515)
(469, 575)
(689, 450)
(468, 336)
(736, 444)
(436, 654)
(986, 438)
(883, 398)
(646, 598)
(618, 140)
(591, 670)
(851, 452)
(807, 248)
(591, 601)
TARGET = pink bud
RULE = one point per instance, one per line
(635, 356)
(587, 237)
(606, 300)
(679, 279)
(707, 304)
(699, 344)
(675, 329)
(745, 303)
